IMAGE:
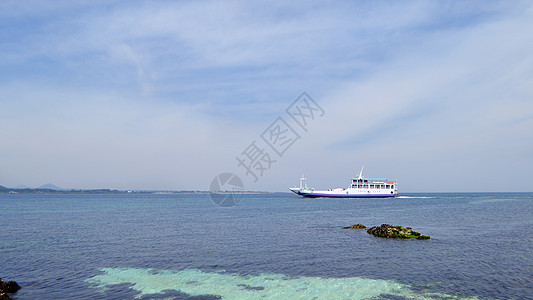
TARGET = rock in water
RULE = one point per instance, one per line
(8, 288)
(389, 231)
(356, 226)
(11, 287)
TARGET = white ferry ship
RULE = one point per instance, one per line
(359, 188)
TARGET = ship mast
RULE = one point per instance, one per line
(303, 183)
(360, 176)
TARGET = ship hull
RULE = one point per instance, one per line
(328, 194)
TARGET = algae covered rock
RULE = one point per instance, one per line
(389, 231)
(10, 287)
(7, 288)
(356, 226)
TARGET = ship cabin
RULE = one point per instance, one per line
(372, 183)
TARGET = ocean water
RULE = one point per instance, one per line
(269, 246)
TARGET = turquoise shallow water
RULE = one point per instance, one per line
(270, 246)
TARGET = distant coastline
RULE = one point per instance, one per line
(5, 190)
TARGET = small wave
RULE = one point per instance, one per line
(415, 197)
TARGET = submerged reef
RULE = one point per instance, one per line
(389, 231)
(7, 288)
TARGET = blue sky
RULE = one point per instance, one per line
(166, 95)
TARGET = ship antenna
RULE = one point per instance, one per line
(360, 176)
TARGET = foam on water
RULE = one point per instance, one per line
(265, 286)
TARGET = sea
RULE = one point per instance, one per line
(268, 246)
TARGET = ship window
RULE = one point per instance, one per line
(371, 186)
(392, 186)
(366, 186)
(387, 186)
(359, 186)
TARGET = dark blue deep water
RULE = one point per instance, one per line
(150, 246)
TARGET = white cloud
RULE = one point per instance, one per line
(78, 139)
(156, 95)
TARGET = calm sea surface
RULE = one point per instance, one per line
(269, 246)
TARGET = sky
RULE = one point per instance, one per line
(151, 95)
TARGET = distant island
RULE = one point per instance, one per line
(53, 189)
(4, 190)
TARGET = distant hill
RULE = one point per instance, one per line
(2, 188)
(50, 186)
